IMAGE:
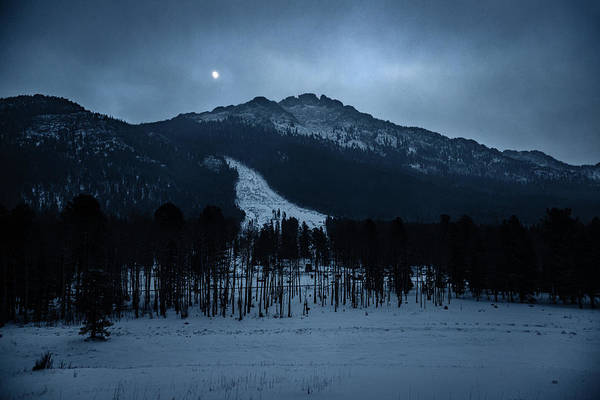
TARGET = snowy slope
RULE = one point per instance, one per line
(258, 200)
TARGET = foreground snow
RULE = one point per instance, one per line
(471, 351)
(256, 198)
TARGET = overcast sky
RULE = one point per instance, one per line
(518, 75)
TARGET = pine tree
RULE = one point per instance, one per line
(86, 225)
(95, 304)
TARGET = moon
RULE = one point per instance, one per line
(215, 74)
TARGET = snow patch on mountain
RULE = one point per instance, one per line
(256, 198)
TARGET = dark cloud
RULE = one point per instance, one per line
(509, 74)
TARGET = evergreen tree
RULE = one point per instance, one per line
(86, 226)
(94, 304)
(304, 241)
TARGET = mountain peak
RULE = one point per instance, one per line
(258, 110)
(303, 99)
(262, 101)
(310, 99)
(329, 102)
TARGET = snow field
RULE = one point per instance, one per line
(470, 351)
(256, 198)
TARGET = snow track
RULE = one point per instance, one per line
(258, 200)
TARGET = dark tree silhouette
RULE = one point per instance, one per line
(87, 238)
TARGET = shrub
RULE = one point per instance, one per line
(45, 362)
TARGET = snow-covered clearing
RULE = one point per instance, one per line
(470, 351)
(256, 198)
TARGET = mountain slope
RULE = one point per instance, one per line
(54, 149)
(415, 148)
(315, 152)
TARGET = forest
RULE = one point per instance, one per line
(83, 265)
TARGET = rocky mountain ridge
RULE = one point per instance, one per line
(416, 148)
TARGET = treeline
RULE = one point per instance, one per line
(82, 265)
(558, 257)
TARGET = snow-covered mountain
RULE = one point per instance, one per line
(417, 149)
(314, 151)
